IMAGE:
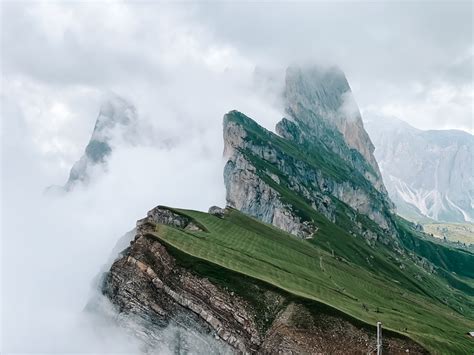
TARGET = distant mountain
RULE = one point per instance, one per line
(428, 174)
(117, 118)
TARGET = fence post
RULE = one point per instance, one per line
(379, 338)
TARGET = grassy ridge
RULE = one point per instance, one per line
(313, 153)
(321, 271)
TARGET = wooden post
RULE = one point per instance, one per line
(379, 338)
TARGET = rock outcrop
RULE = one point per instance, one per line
(322, 154)
(429, 174)
(152, 284)
(216, 211)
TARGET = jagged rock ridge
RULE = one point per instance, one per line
(322, 153)
(429, 174)
(321, 100)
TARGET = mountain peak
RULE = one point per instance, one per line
(116, 115)
(315, 89)
(322, 99)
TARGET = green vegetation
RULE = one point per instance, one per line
(342, 271)
(256, 293)
(305, 153)
(413, 284)
(312, 153)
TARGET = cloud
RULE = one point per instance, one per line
(53, 86)
(53, 247)
(443, 106)
(385, 48)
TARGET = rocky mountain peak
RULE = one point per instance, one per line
(322, 154)
(315, 90)
(113, 112)
(279, 179)
(322, 99)
(116, 117)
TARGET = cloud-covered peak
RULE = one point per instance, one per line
(321, 98)
(117, 118)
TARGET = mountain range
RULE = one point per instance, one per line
(429, 174)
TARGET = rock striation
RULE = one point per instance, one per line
(150, 283)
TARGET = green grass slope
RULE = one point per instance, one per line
(367, 283)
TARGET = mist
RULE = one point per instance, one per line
(182, 67)
(55, 246)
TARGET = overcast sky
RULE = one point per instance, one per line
(407, 59)
(182, 66)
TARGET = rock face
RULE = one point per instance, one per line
(429, 174)
(116, 117)
(151, 284)
(322, 100)
(322, 153)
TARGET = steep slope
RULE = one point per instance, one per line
(116, 118)
(429, 174)
(321, 99)
(258, 289)
(322, 153)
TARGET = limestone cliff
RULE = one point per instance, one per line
(322, 154)
(321, 100)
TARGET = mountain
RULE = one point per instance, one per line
(321, 152)
(116, 118)
(307, 256)
(428, 174)
(322, 100)
(226, 283)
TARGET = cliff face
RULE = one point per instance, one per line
(153, 284)
(116, 117)
(321, 154)
(429, 174)
(321, 101)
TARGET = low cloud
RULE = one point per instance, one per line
(54, 247)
